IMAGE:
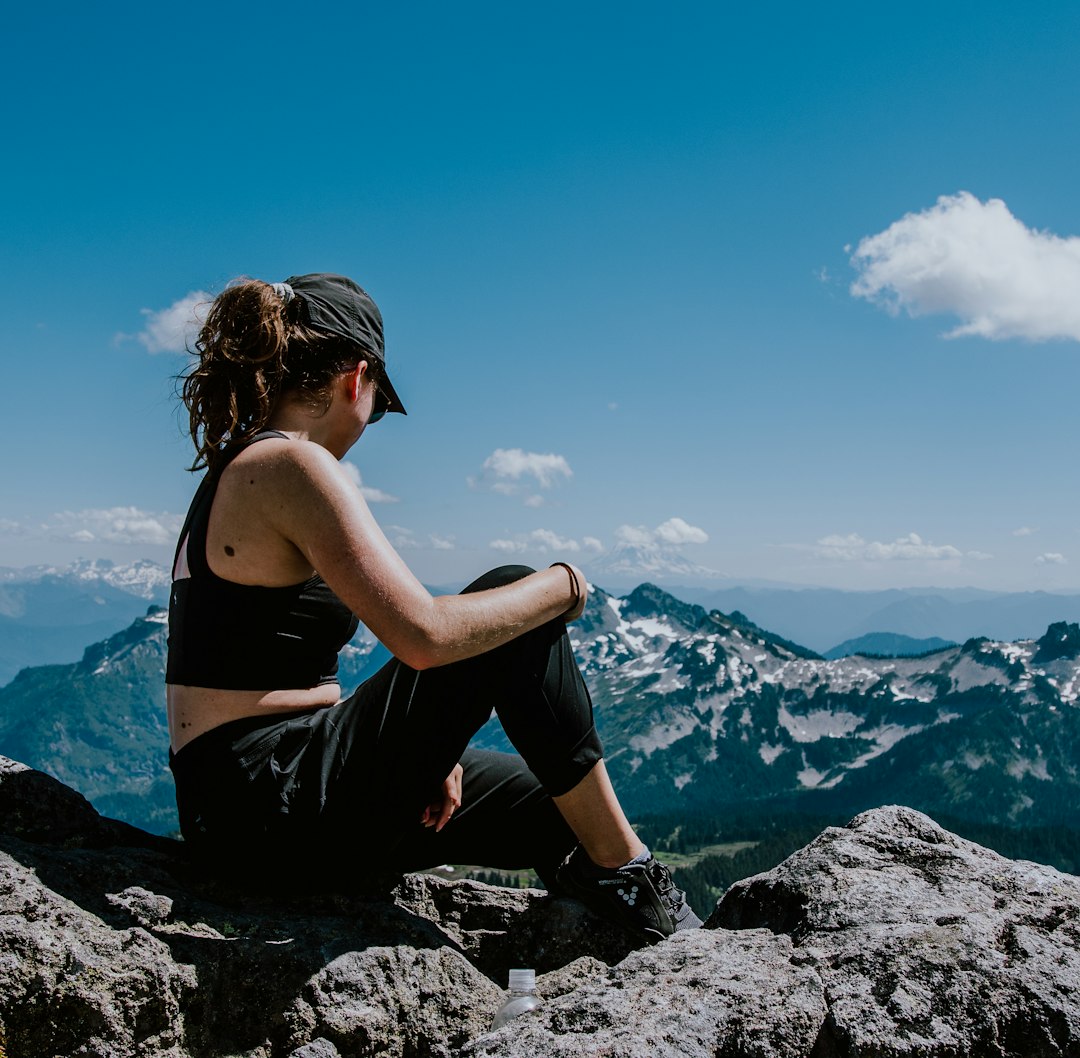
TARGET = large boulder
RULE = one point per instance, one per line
(926, 943)
(888, 937)
(112, 945)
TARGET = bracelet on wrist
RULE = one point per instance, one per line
(575, 590)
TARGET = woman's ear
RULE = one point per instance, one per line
(354, 379)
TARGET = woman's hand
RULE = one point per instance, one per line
(438, 813)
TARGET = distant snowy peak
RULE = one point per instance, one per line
(146, 579)
(722, 656)
(649, 560)
(141, 578)
(649, 621)
(673, 679)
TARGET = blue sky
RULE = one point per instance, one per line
(784, 293)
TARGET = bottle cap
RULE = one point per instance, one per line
(522, 980)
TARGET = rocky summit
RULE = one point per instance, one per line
(887, 937)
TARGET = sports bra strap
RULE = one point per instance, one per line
(204, 496)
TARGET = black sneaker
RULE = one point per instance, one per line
(640, 896)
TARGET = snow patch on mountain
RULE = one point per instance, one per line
(679, 673)
(662, 735)
(818, 724)
(142, 578)
(1018, 767)
(769, 753)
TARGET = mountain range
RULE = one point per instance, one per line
(48, 614)
(700, 711)
(821, 618)
(888, 644)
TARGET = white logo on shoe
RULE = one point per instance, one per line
(629, 897)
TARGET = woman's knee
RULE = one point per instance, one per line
(496, 578)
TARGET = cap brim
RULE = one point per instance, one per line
(387, 388)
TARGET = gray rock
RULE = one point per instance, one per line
(111, 945)
(888, 937)
(319, 1048)
(706, 993)
(926, 943)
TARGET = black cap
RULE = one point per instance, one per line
(337, 305)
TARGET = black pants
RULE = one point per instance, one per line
(307, 795)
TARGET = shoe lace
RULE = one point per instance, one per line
(670, 894)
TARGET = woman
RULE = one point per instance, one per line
(276, 775)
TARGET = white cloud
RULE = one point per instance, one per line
(372, 495)
(535, 500)
(538, 540)
(1051, 558)
(1024, 530)
(853, 548)
(591, 543)
(405, 539)
(552, 541)
(635, 536)
(400, 537)
(507, 470)
(976, 261)
(654, 552)
(115, 525)
(674, 533)
(173, 330)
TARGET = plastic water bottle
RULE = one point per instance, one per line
(521, 998)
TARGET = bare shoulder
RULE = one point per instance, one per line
(284, 469)
(281, 495)
(283, 454)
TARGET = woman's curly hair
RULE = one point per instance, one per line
(252, 349)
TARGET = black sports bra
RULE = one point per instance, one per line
(244, 637)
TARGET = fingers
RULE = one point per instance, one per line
(451, 797)
(448, 809)
(438, 813)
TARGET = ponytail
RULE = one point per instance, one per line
(251, 349)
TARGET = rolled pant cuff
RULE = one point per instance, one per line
(579, 761)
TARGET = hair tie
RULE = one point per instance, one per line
(574, 587)
(284, 291)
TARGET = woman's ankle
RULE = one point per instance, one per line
(612, 857)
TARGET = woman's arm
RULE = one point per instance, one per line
(307, 498)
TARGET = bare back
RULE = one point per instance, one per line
(242, 547)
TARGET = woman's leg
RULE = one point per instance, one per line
(506, 820)
(403, 731)
(593, 812)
